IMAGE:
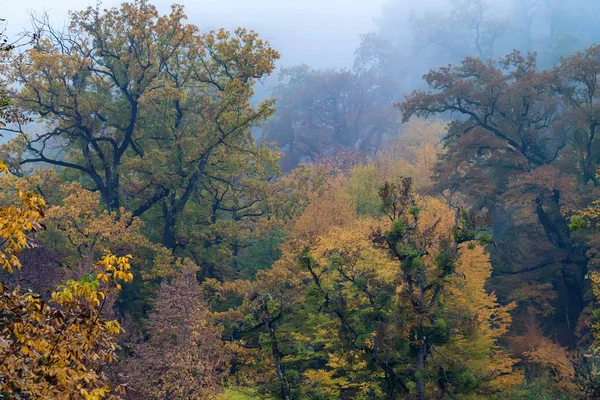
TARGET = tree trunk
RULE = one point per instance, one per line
(420, 365)
(285, 388)
(169, 228)
(573, 265)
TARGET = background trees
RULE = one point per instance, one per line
(506, 154)
(320, 111)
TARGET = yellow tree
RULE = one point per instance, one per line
(410, 302)
(369, 308)
(55, 349)
(58, 349)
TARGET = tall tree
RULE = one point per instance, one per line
(102, 85)
(520, 130)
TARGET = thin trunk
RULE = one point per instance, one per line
(420, 365)
(285, 388)
(169, 227)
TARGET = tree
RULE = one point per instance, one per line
(156, 117)
(184, 357)
(88, 87)
(357, 309)
(584, 222)
(116, 86)
(507, 154)
(17, 221)
(257, 327)
(319, 111)
(468, 30)
(269, 326)
(575, 84)
(59, 349)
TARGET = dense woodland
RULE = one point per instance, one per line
(423, 225)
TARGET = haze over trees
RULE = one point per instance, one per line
(422, 224)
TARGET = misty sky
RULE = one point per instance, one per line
(321, 33)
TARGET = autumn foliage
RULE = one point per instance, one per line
(166, 235)
(55, 348)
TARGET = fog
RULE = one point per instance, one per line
(323, 34)
(326, 34)
(385, 45)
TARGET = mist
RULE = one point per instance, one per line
(323, 34)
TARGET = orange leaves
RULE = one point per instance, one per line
(327, 208)
(544, 356)
(554, 357)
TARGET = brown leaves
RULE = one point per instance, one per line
(184, 357)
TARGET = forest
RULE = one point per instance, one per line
(183, 217)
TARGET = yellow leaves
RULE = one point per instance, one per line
(114, 268)
(595, 278)
(484, 321)
(58, 351)
(585, 218)
(16, 221)
(95, 394)
(325, 382)
(113, 327)
(53, 351)
(354, 254)
(83, 220)
(112, 271)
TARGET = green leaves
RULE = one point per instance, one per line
(576, 223)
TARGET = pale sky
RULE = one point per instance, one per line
(321, 33)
